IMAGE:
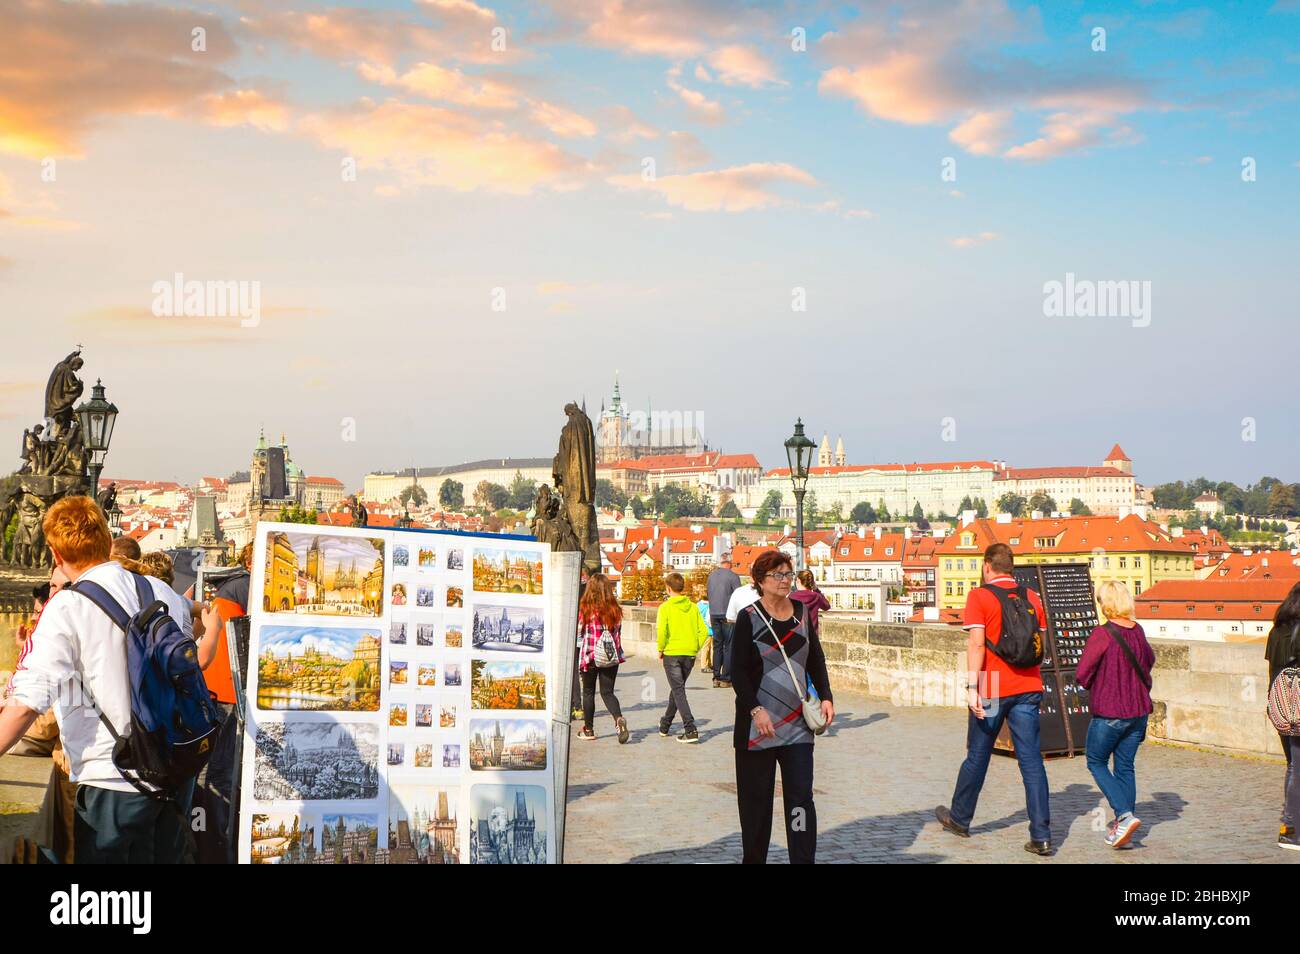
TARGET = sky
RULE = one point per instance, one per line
(457, 216)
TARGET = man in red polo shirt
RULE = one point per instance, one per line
(998, 692)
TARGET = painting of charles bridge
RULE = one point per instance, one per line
(512, 629)
(508, 571)
(322, 668)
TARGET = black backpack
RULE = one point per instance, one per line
(1021, 643)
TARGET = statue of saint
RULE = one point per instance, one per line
(359, 512)
(551, 524)
(33, 451)
(62, 392)
(70, 452)
(29, 539)
(107, 498)
(574, 470)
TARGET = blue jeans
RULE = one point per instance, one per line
(721, 648)
(1020, 712)
(1119, 738)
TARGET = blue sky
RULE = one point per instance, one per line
(521, 170)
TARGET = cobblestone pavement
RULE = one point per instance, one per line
(880, 771)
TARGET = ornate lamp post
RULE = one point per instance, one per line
(798, 451)
(97, 418)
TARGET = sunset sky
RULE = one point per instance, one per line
(505, 245)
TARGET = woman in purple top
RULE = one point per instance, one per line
(1116, 671)
(806, 592)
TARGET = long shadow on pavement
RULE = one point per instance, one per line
(886, 838)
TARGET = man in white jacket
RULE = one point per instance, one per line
(76, 641)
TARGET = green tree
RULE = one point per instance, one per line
(522, 492)
(413, 494)
(1079, 509)
(296, 514)
(729, 511)
(451, 495)
(770, 506)
(638, 507)
(1281, 500)
(863, 513)
(981, 508)
(966, 504)
(917, 513)
(607, 495)
(882, 512)
(1011, 503)
(1042, 503)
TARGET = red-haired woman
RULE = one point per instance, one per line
(600, 627)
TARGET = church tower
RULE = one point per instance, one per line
(824, 458)
(840, 460)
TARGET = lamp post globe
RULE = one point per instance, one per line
(97, 417)
(798, 452)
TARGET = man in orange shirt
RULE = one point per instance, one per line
(999, 692)
(216, 783)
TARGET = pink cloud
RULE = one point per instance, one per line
(734, 189)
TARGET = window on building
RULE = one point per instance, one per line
(1137, 563)
(947, 587)
(961, 588)
(1123, 563)
(947, 564)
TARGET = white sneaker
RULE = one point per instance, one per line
(1122, 830)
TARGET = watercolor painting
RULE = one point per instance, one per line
(323, 575)
(304, 668)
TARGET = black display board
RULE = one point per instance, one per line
(1066, 592)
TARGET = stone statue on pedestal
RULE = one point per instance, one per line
(53, 456)
(574, 472)
(358, 511)
(551, 523)
(61, 393)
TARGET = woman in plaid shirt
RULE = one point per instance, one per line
(598, 614)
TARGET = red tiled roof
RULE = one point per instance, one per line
(1041, 473)
(1117, 453)
(1261, 565)
(869, 549)
(1211, 599)
(1072, 535)
(949, 617)
(909, 468)
(328, 481)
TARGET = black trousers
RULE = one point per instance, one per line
(755, 788)
(127, 828)
(606, 676)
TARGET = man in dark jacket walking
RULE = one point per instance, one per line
(723, 581)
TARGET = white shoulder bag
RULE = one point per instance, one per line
(812, 711)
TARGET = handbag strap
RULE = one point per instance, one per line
(1118, 638)
(800, 692)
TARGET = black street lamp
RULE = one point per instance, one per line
(97, 417)
(798, 451)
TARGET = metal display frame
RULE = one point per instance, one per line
(1065, 711)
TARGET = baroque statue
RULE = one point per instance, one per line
(574, 473)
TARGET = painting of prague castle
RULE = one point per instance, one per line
(324, 575)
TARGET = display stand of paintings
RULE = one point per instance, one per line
(399, 699)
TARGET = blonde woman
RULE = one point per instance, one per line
(1116, 671)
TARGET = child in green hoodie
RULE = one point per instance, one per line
(681, 635)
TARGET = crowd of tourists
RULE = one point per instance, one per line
(765, 644)
(75, 695)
